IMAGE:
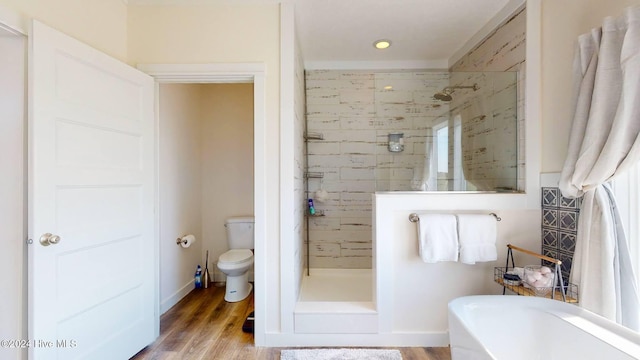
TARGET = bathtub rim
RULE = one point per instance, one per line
(625, 340)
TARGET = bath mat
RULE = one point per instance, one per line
(340, 354)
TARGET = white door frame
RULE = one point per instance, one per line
(221, 73)
(15, 25)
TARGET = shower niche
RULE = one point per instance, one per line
(309, 175)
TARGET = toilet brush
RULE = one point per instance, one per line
(205, 278)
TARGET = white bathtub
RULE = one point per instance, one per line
(526, 328)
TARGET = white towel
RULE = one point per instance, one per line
(477, 235)
(437, 237)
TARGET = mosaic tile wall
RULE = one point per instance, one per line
(559, 227)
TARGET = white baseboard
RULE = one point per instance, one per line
(168, 303)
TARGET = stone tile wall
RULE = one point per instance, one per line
(489, 134)
(300, 165)
(355, 113)
(504, 50)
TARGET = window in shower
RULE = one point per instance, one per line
(441, 153)
(458, 174)
(442, 149)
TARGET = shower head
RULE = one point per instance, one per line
(445, 94)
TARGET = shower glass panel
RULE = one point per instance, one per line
(459, 131)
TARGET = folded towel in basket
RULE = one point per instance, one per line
(477, 235)
(437, 237)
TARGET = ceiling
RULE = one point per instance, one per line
(428, 31)
(423, 33)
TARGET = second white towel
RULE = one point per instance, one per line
(477, 235)
(437, 237)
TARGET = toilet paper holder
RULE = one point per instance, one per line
(185, 240)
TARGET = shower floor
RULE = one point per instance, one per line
(337, 285)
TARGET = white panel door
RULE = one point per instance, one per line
(92, 284)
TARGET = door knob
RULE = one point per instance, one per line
(49, 239)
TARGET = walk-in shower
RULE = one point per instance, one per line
(441, 142)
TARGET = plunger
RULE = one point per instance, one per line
(205, 278)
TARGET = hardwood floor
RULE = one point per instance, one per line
(204, 326)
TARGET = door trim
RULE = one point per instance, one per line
(220, 73)
(14, 25)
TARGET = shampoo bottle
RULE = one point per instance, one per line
(312, 209)
(198, 277)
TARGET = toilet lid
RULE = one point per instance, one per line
(236, 256)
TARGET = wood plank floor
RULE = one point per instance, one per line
(204, 326)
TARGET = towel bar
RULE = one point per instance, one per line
(413, 217)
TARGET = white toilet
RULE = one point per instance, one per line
(236, 262)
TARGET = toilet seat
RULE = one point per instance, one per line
(235, 256)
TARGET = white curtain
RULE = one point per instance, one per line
(604, 142)
(626, 189)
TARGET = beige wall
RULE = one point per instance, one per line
(225, 33)
(227, 162)
(205, 34)
(562, 22)
(180, 169)
(206, 176)
(99, 23)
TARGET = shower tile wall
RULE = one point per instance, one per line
(408, 107)
(300, 165)
(488, 131)
(503, 50)
(341, 105)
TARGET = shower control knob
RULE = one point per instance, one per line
(49, 239)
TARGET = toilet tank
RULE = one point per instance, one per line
(240, 232)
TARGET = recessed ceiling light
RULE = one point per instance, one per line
(388, 87)
(382, 44)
